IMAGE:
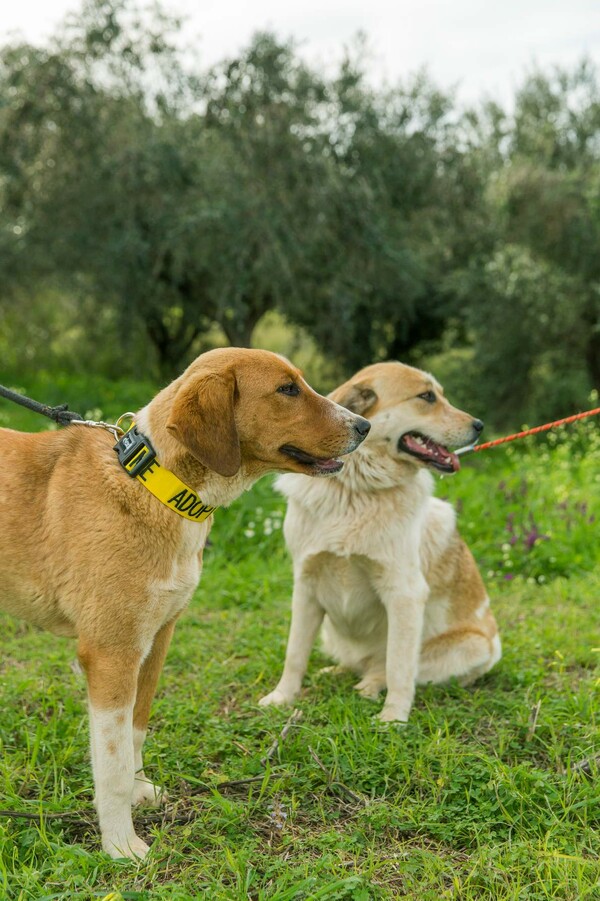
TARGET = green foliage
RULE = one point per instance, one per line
(528, 313)
(557, 118)
(480, 796)
(535, 523)
(89, 395)
(150, 209)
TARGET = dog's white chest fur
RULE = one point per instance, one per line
(325, 517)
(170, 594)
(345, 587)
(174, 592)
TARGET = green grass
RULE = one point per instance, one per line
(472, 800)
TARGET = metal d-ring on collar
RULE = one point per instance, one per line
(116, 430)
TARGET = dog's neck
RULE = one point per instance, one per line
(211, 487)
(365, 479)
(367, 472)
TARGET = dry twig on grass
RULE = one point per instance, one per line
(533, 718)
(295, 717)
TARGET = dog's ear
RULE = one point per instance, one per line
(355, 397)
(202, 419)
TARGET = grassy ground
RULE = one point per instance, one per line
(489, 793)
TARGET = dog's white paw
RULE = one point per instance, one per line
(276, 698)
(394, 713)
(146, 792)
(133, 847)
(370, 687)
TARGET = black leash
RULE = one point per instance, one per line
(61, 414)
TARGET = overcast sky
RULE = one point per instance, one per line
(479, 46)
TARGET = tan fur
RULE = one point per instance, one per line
(86, 551)
(378, 561)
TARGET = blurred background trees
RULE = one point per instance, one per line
(150, 209)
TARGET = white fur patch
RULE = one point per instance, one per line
(113, 764)
(483, 609)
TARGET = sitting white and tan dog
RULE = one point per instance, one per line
(378, 561)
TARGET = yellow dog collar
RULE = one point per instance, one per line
(138, 458)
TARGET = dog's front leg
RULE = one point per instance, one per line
(307, 616)
(404, 600)
(112, 680)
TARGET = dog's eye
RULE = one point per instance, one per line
(429, 396)
(292, 390)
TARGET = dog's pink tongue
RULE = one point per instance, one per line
(454, 460)
(429, 448)
(443, 455)
(330, 465)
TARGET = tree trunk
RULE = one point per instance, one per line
(240, 328)
(239, 334)
(592, 358)
(171, 348)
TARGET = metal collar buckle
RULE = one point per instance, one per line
(135, 452)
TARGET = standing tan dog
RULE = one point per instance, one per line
(87, 551)
(378, 560)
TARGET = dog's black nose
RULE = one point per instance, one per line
(362, 426)
(477, 426)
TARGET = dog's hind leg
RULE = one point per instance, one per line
(112, 683)
(462, 652)
(143, 789)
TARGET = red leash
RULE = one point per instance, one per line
(535, 431)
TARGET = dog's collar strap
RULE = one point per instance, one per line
(138, 459)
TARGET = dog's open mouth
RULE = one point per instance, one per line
(314, 464)
(427, 450)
